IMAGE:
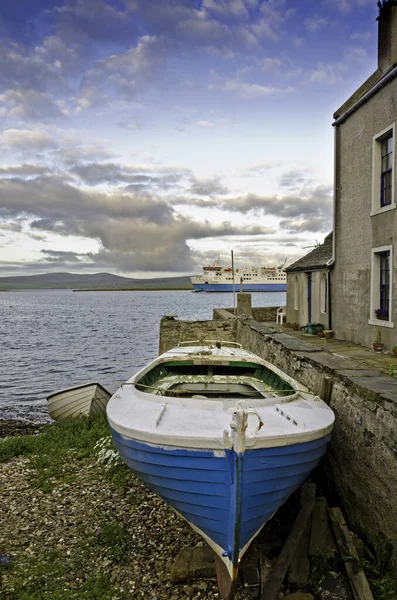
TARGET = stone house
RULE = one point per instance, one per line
(364, 298)
(309, 287)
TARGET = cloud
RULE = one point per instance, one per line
(207, 187)
(13, 227)
(125, 74)
(272, 17)
(136, 231)
(27, 139)
(226, 8)
(305, 209)
(362, 37)
(270, 64)
(315, 23)
(23, 170)
(328, 74)
(29, 105)
(245, 90)
(205, 124)
(111, 173)
(293, 179)
(62, 257)
(258, 170)
(347, 6)
(18, 68)
(85, 21)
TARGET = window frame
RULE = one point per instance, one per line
(378, 174)
(324, 293)
(376, 285)
(296, 292)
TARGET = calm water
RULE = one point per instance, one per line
(52, 339)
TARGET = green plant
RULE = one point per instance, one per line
(113, 536)
(378, 337)
(394, 348)
(377, 565)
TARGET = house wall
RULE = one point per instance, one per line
(297, 295)
(356, 232)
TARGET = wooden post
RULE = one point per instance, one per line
(326, 389)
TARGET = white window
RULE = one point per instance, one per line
(381, 287)
(324, 292)
(296, 293)
(383, 170)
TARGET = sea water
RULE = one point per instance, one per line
(53, 339)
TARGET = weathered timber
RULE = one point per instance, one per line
(225, 585)
(299, 570)
(326, 389)
(280, 569)
(357, 578)
(320, 534)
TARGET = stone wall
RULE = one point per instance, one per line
(173, 331)
(363, 449)
(260, 313)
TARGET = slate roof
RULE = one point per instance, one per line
(316, 259)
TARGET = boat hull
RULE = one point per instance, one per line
(225, 496)
(246, 287)
(82, 400)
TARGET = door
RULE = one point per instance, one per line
(309, 297)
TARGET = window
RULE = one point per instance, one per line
(381, 286)
(296, 293)
(383, 171)
(384, 285)
(324, 292)
(386, 170)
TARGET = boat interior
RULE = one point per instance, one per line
(185, 379)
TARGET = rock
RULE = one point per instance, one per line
(193, 563)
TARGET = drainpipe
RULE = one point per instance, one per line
(331, 262)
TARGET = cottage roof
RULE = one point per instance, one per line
(316, 259)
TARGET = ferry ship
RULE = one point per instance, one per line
(216, 278)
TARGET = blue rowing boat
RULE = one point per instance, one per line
(223, 437)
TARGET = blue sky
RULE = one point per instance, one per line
(145, 137)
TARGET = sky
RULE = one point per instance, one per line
(149, 137)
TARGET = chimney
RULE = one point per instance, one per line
(387, 34)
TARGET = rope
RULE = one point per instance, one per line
(187, 391)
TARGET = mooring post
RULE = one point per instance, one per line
(244, 304)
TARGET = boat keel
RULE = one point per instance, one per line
(226, 586)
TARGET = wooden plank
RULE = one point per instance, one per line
(357, 578)
(280, 569)
(326, 389)
(319, 532)
(299, 570)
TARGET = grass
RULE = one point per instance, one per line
(50, 452)
(45, 579)
(55, 455)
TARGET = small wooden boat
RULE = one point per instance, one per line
(86, 399)
(222, 436)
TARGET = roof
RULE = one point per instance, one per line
(316, 259)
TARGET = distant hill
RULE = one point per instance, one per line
(95, 281)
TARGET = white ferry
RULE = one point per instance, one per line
(216, 278)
